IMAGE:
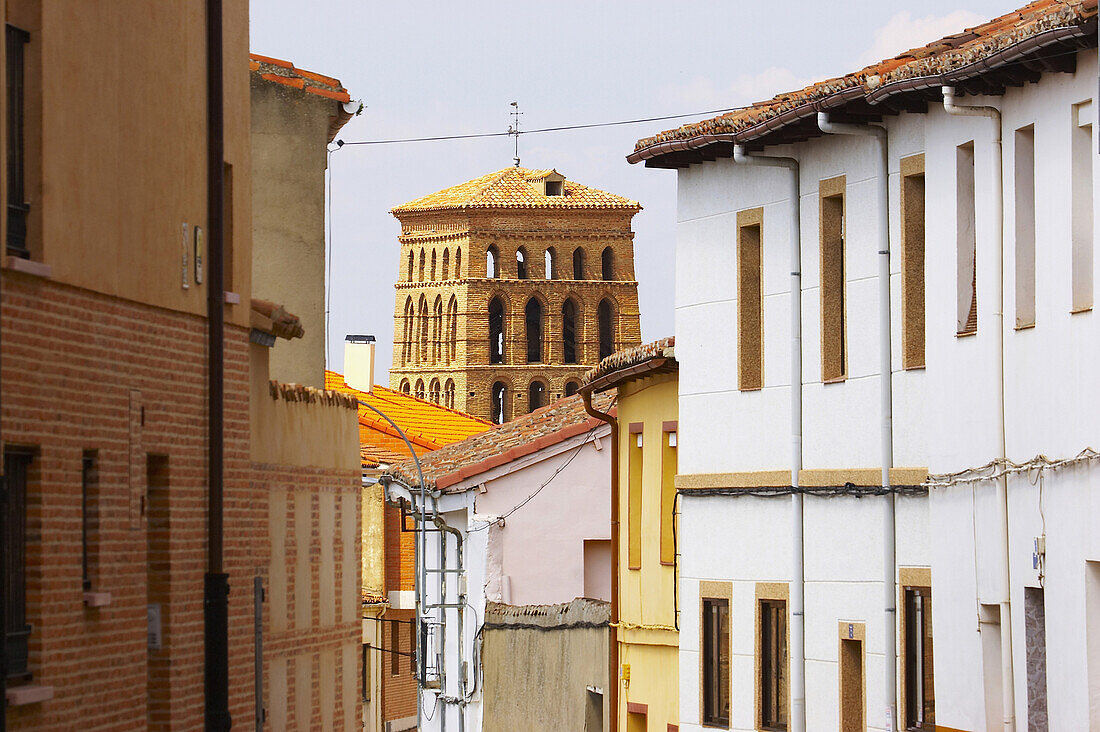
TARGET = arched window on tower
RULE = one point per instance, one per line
(433, 267)
(437, 330)
(405, 388)
(521, 263)
(496, 330)
(422, 346)
(412, 264)
(536, 396)
(569, 331)
(433, 392)
(606, 316)
(532, 316)
(578, 264)
(409, 334)
(446, 265)
(419, 389)
(449, 394)
(422, 261)
(499, 398)
(452, 329)
(458, 264)
(492, 262)
(551, 263)
(607, 260)
(571, 388)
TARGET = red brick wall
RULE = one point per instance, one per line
(398, 690)
(70, 360)
(400, 552)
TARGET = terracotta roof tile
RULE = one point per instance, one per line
(620, 360)
(960, 55)
(513, 188)
(427, 425)
(283, 72)
(504, 443)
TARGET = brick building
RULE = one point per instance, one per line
(511, 286)
(104, 388)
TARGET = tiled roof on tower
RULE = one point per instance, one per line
(515, 188)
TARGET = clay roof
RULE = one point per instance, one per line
(274, 319)
(621, 365)
(427, 425)
(283, 72)
(954, 59)
(504, 443)
(513, 188)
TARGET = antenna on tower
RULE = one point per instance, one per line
(513, 129)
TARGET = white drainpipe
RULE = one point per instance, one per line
(1007, 676)
(886, 433)
(798, 586)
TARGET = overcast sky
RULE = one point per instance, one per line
(425, 69)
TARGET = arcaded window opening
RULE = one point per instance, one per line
(449, 394)
(496, 330)
(422, 350)
(445, 273)
(419, 389)
(499, 397)
(458, 264)
(578, 264)
(452, 330)
(412, 265)
(536, 396)
(423, 260)
(432, 279)
(550, 263)
(572, 387)
(521, 264)
(532, 316)
(569, 331)
(607, 264)
(437, 330)
(606, 318)
(434, 391)
(492, 262)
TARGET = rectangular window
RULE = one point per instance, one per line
(1081, 150)
(852, 696)
(17, 464)
(774, 687)
(750, 307)
(366, 672)
(634, 497)
(919, 696)
(89, 514)
(668, 494)
(834, 356)
(716, 662)
(1025, 226)
(966, 310)
(15, 41)
(912, 261)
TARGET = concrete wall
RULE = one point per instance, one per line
(945, 414)
(290, 132)
(539, 663)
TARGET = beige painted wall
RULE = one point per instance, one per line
(290, 131)
(126, 180)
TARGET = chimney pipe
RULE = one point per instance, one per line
(359, 362)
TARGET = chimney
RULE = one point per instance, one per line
(359, 362)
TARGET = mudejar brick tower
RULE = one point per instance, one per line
(510, 287)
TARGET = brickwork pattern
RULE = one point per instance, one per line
(441, 323)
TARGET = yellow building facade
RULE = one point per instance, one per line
(645, 610)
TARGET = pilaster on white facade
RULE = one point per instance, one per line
(946, 416)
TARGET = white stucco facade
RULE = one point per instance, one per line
(946, 415)
(535, 555)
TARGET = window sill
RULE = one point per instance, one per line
(837, 380)
(1025, 326)
(966, 333)
(1078, 311)
(232, 298)
(18, 696)
(97, 599)
(914, 367)
(28, 266)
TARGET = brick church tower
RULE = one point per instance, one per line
(510, 287)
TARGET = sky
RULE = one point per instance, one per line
(426, 69)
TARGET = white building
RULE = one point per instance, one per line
(523, 514)
(785, 421)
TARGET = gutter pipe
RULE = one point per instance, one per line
(886, 429)
(613, 626)
(1007, 675)
(216, 580)
(798, 589)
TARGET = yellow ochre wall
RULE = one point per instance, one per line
(648, 640)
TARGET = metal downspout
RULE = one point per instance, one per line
(798, 579)
(461, 704)
(1007, 672)
(613, 636)
(886, 428)
(215, 581)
